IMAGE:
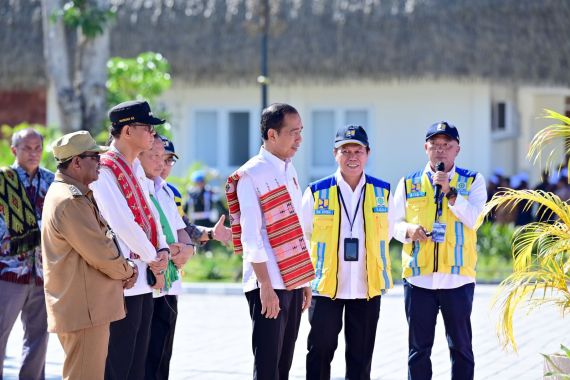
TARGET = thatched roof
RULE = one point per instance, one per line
(217, 41)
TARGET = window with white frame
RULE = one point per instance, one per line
(238, 138)
(206, 136)
(223, 139)
(500, 117)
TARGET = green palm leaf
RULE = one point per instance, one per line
(541, 266)
(555, 133)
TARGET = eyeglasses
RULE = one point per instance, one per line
(170, 161)
(95, 156)
(147, 127)
(441, 147)
(357, 153)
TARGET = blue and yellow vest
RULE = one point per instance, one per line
(457, 254)
(326, 235)
(177, 198)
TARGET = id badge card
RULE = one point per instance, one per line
(438, 232)
(351, 249)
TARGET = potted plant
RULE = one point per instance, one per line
(541, 250)
(557, 366)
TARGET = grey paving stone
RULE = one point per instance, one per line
(213, 340)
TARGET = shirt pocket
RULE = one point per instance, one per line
(322, 228)
(455, 244)
(415, 207)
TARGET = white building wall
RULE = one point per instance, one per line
(532, 102)
(398, 114)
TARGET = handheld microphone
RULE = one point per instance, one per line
(439, 167)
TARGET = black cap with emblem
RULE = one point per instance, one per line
(133, 111)
(442, 128)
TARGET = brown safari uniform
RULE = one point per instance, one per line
(83, 269)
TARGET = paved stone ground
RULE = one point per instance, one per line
(213, 341)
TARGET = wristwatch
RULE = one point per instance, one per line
(211, 234)
(132, 264)
(452, 193)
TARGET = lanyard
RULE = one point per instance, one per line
(36, 191)
(346, 209)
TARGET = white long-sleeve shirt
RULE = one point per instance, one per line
(256, 247)
(165, 198)
(130, 235)
(352, 277)
(467, 210)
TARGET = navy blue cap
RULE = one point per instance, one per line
(442, 128)
(351, 134)
(168, 146)
(133, 111)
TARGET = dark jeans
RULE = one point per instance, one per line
(161, 337)
(360, 322)
(422, 306)
(128, 340)
(273, 340)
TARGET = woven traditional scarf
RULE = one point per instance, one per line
(171, 273)
(133, 194)
(283, 231)
(18, 212)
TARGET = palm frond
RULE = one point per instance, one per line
(540, 274)
(531, 289)
(554, 133)
(541, 251)
(511, 198)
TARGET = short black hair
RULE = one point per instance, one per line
(116, 131)
(272, 117)
(64, 165)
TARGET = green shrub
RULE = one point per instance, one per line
(494, 261)
(218, 265)
(494, 240)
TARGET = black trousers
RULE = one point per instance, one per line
(422, 306)
(128, 340)
(161, 337)
(273, 340)
(360, 322)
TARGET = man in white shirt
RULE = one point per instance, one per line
(346, 220)
(124, 202)
(165, 300)
(435, 212)
(264, 217)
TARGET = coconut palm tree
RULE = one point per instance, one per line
(541, 250)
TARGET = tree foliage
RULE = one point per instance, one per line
(145, 76)
(87, 16)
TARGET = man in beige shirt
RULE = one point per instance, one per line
(84, 271)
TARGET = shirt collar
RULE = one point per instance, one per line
(21, 171)
(159, 183)
(59, 176)
(428, 170)
(149, 185)
(340, 180)
(276, 161)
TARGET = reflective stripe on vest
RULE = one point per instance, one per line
(326, 235)
(457, 255)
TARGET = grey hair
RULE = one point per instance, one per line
(17, 137)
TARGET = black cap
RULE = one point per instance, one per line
(351, 134)
(442, 128)
(168, 146)
(133, 111)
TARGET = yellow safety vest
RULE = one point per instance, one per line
(326, 235)
(457, 254)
